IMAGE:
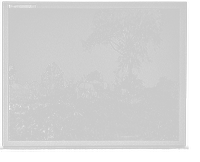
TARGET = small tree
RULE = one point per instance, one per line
(12, 73)
(52, 78)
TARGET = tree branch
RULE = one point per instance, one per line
(120, 40)
(120, 43)
(117, 50)
(114, 43)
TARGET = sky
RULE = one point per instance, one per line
(39, 37)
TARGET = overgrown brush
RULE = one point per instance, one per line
(44, 124)
(145, 114)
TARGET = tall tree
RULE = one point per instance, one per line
(12, 73)
(52, 78)
(127, 31)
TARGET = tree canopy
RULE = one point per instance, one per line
(128, 32)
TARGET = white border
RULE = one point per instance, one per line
(97, 5)
(182, 6)
(4, 70)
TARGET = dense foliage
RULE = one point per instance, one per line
(128, 32)
(55, 109)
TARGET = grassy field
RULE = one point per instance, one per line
(61, 117)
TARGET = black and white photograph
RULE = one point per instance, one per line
(94, 75)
